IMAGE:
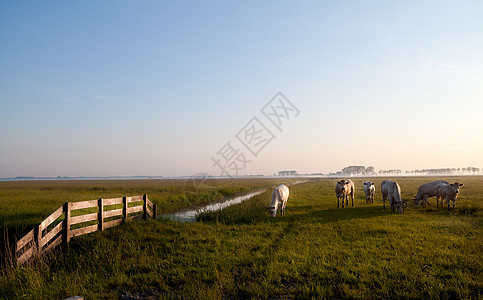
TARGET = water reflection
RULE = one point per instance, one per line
(188, 215)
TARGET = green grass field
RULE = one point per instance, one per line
(314, 251)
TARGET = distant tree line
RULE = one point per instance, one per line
(362, 170)
(445, 171)
(395, 172)
(287, 173)
(354, 171)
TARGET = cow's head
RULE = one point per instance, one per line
(344, 183)
(399, 206)
(456, 187)
(416, 201)
(272, 210)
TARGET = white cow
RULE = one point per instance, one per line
(343, 189)
(448, 192)
(426, 191)
(369, 190)
(390, 189)
(279, 197)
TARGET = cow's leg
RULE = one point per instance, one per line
(383, 202)
(283, 207)
(338, 201)
(426, 202)
(437, 201)
(352, 198)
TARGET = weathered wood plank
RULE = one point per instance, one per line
(83, 230)
(24, 257)
(149, 203)
(83, 204)
(50, 235)
(113, 213)
(150, 214)
(83, 218)
(53, 216)
(25, 240)
(155, 211)
(134, 199)
(112, 201)
(134, 209)
(54, 244)
(136, 217)
(113, 223)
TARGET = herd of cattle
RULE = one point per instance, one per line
(390, 191)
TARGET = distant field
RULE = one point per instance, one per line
(24, 204)
(314, 251)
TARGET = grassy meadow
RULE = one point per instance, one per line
(314, 251)
(24, 204)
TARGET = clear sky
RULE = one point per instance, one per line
(104, 88)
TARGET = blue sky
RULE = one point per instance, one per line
(101, 88)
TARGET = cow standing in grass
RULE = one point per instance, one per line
(343, 189)
(279, 198)
(369, 190)
(447, 191)
(391, 190)
(425, 191)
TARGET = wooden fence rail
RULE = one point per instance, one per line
(57, 229)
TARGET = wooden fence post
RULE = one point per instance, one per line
(37, 239)
(101, 215)
(66, 224)
(155, 211)
(124, 208)
(145, 206)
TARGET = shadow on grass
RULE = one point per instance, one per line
(299, 214)
(13, 231)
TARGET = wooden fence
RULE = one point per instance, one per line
(79, 219)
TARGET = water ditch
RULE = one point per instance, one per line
(188, 215)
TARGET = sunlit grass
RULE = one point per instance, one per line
(314, 251)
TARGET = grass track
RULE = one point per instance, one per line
(314, 251)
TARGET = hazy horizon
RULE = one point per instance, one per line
(173, 89)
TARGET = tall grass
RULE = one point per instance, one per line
(24, 204)
(314, 251)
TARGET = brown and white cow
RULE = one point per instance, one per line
(391, 190)
(447, 191)
(343, 189)
(425, 191)
(369, 190)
